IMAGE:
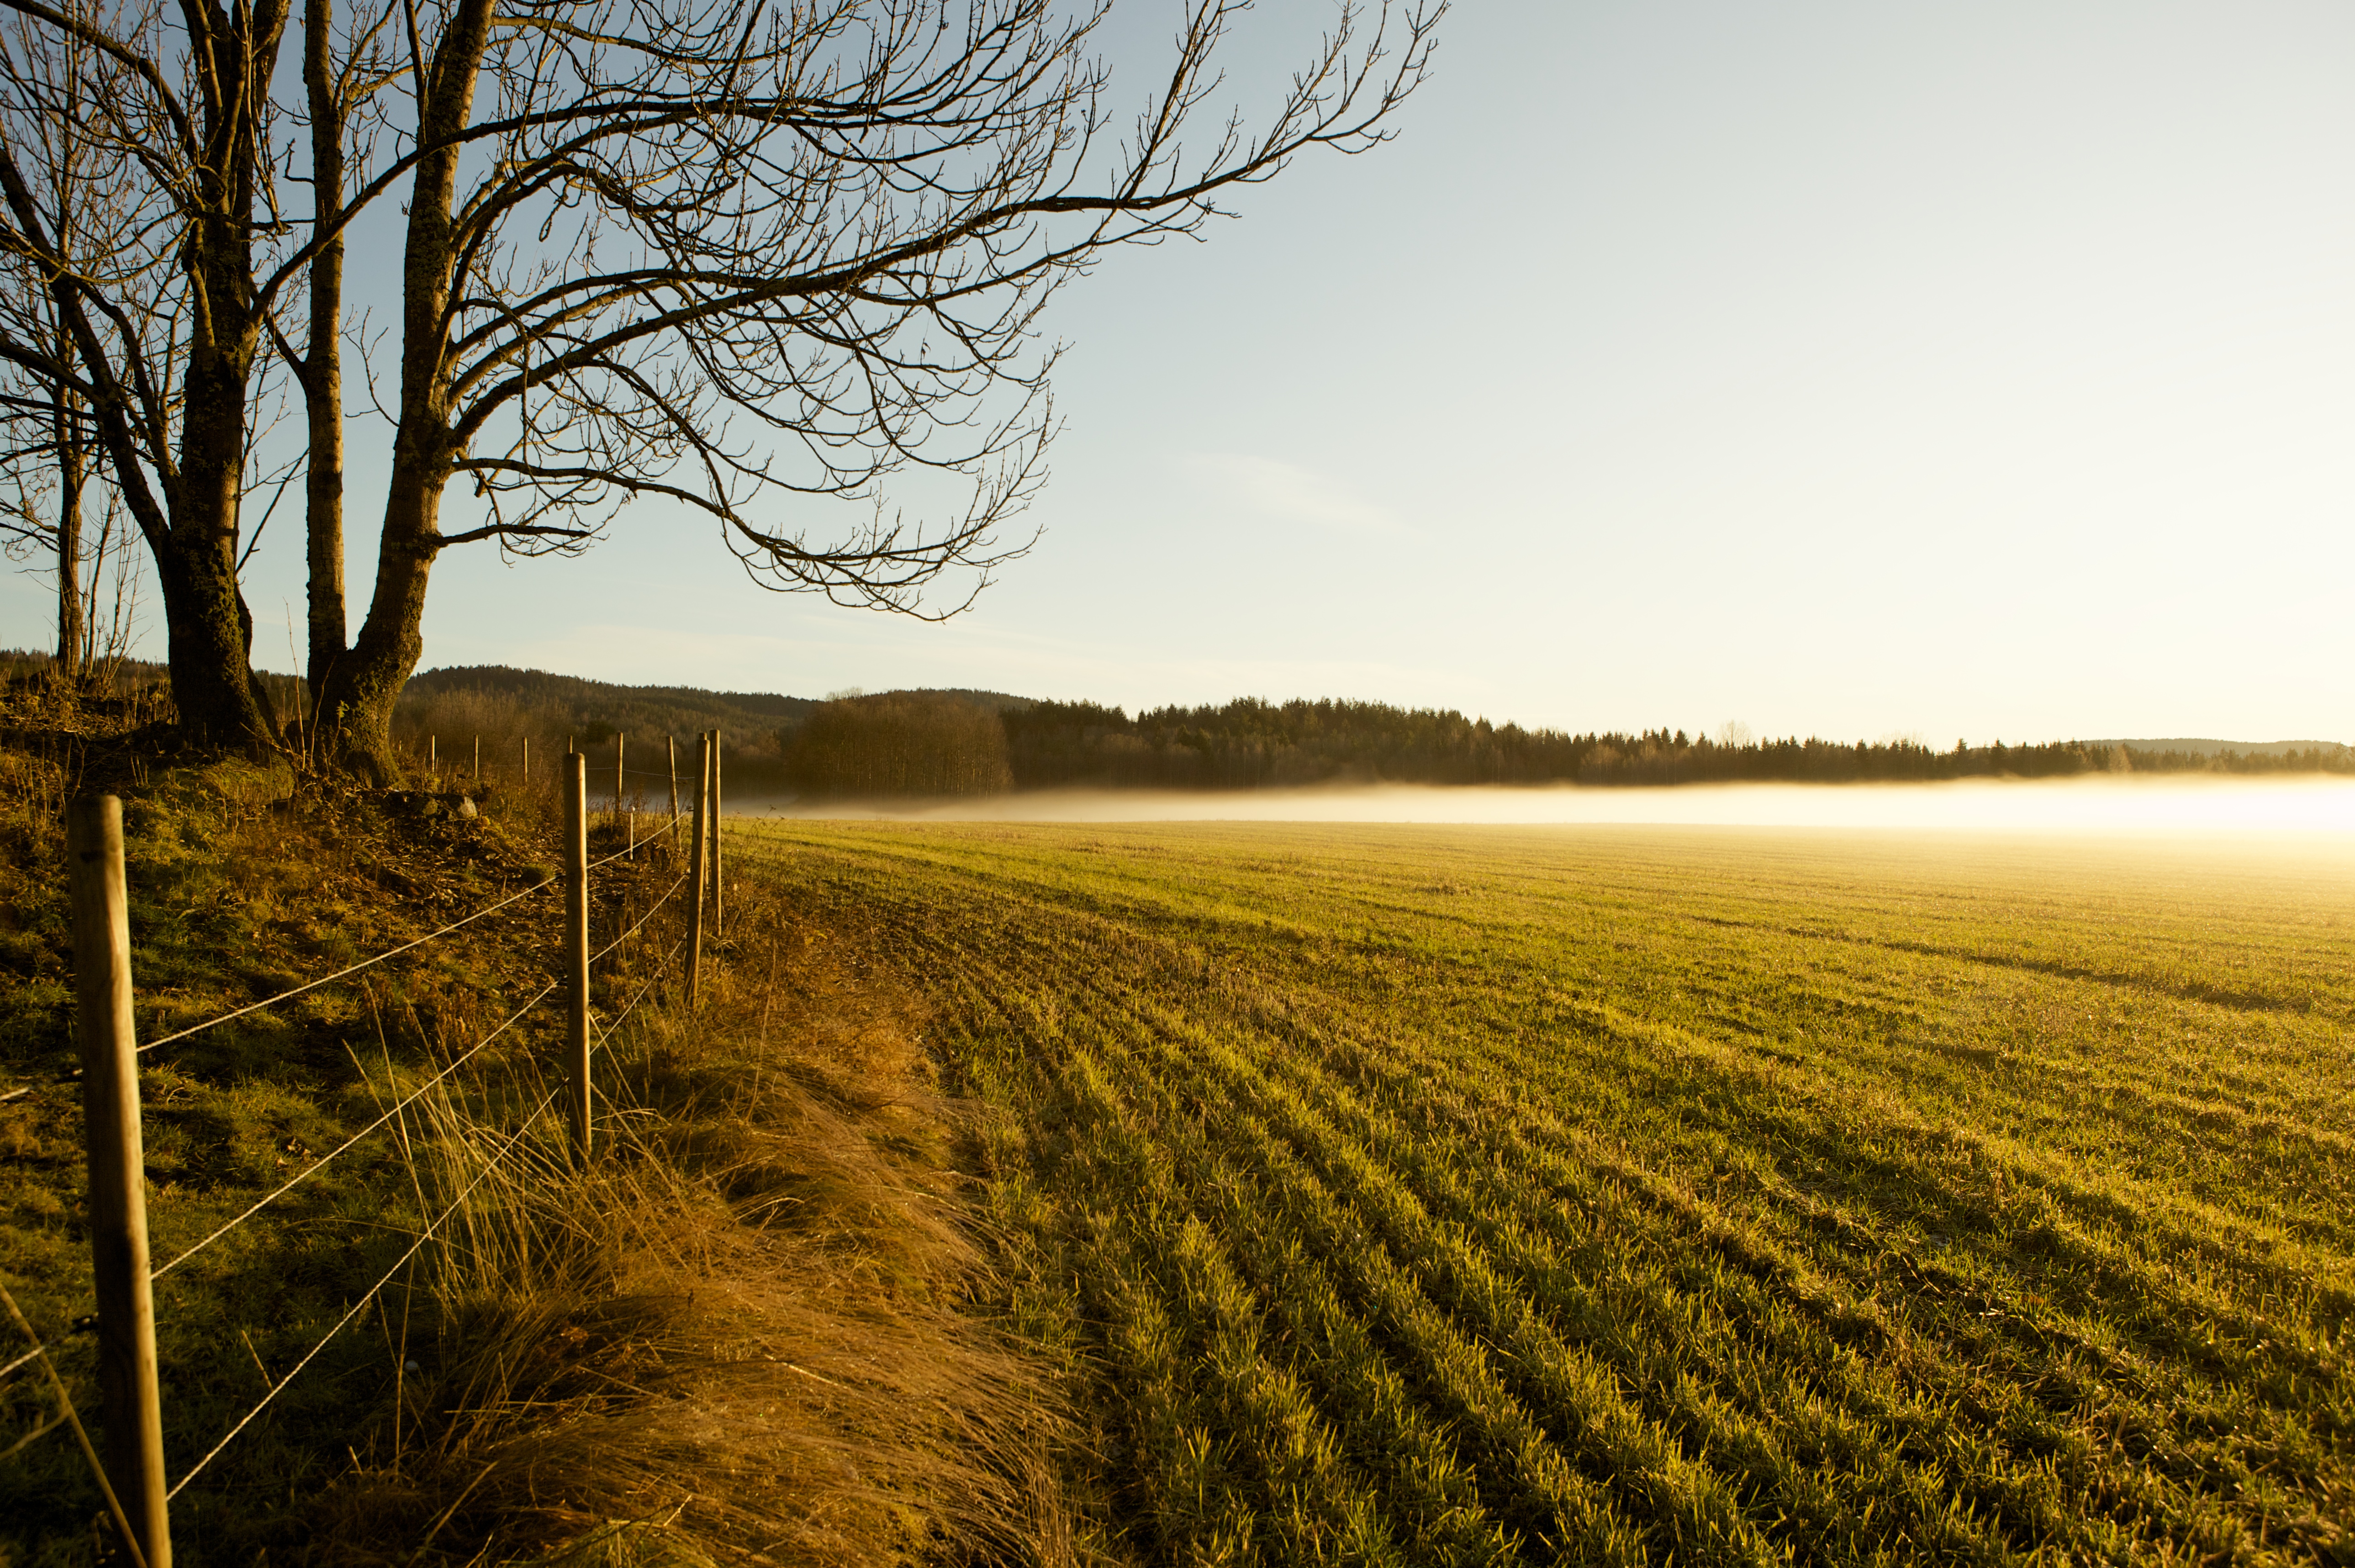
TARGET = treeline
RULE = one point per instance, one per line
(505, 706)
(1253, 744)
(951, 743)
(598, 709)
(901, 743)
(981, 742)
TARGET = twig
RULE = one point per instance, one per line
(27, 1441)
(814, 1376)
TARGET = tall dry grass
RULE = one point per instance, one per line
(746, 1332)
(742, 1333)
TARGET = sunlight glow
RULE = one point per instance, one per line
(2074, 806)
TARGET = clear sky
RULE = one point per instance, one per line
(1979, 371)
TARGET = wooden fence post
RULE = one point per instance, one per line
(526, 759)
(576, 949)
(716, 921)
(696, 869)
(621, 744)
(118, 1190)
(478, 759)
(670, 744)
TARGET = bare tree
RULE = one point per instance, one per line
(47, 439)
(46, 458)
(188, 103)
(738, 257)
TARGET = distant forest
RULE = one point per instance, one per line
(980, 742)
(984, 742)
(1252, 744)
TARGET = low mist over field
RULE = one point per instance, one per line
(2321, 808)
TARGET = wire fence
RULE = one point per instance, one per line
(320, 1164)
(650, 913)
(628, 850)
(367, 1296)
(105, 882)
(351, 969)
(631, 1004)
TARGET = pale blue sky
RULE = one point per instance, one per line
(1976, 370)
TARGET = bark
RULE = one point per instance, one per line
(212, 681)
(359, 697)
(211, 656)
(321, 370)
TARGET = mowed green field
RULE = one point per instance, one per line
(1431, 1195)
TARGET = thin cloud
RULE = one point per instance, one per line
(1275, 488)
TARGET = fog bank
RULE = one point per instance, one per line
(2073, 807)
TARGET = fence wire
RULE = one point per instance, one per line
(35, 1435)
(630, 848)
(354, 969)
(611, 1029)
(310, 1170)
(369, 1294)
(643, 919)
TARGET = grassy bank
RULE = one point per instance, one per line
(744, 1334)
(1479, 1196)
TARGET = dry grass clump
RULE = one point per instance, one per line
(742, 1334)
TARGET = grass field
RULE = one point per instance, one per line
(1431, 1195)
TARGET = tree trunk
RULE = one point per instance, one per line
(212, 671)
(361, 692)
(359, 696)
(322, 371)
(220, 698)
(212, 681)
